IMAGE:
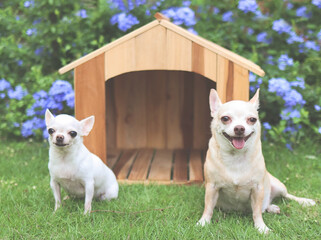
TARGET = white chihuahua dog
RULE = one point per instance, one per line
(235, 173)
(72, 166)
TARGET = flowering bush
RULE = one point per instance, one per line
(282, 36)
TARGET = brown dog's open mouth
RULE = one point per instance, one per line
(237, 142)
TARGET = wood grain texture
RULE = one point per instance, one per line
(180, 166)
(241, 88)
(110, 115)
(161, 166)
(90, 100)
(120, 59)
(130, 99)
(150, 48)
(195, 166)
(123, 165)
(210, 65)
(156, 82)
(141, 165)
(112, 156)
(198, 60)
(178, 52)
(222, 78)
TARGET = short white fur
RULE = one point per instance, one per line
(72, 166)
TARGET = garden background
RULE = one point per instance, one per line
(281, 36)
(38, 37)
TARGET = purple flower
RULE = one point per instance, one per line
(299, 83)
(301, 12)
(319, 35)
(319, 130)
(279, 85)
(181, 15)
(267, 126)
(263, 37)
(124, 21)
(40, 94)
(31, 31)
(216, 10)
(18, 93)
(288, 146)
(27, 4)
(284, 61)
(28, 127)
(227, 16)
(312, 45)
(317, 3)
(247, 6)
(294, 38)
(293, 98)
(117, 4)
(281, 26)
(317, 108)
(4, 84)
(82, 13)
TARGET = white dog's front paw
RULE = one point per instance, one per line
(203, 221)
(305, 202)
(273, 209)
(87, 208)
(263, 229)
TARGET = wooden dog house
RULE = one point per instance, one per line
(149, 93)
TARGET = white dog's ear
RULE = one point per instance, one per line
(255, 99)
(49, 117)
(86, 125)
(215, 102)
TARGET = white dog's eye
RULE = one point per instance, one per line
(73, 134)
(252, 120)
(225, 119)
(51, 131)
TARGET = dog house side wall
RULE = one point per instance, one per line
(90, 100)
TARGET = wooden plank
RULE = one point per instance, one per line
(210, 65)
(90, 100)
(141, 165)
(174, 131)
(161, 166)
(130, 102)
(112, 156)
(178, 52)
(150, 49)
(187, 110)
(103, 49)
(120, 59)
(215, 48)
(198, 64)
(123, 165)
(156, 108)
(195, 166)
(201, 116)
(224, 84)
(241, 84)
(110, 115)
(180, 166)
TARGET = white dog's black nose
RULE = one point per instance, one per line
(60, 139)
(239, 130)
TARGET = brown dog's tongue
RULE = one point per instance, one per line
(238, 143)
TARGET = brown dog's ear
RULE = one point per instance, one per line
(255, 99)
(48, 117)
(86, 125)
(215, 102)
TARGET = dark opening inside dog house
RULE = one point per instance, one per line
(149, 93)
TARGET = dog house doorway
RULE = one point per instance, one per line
(158, 125)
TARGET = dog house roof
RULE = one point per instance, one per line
(162, 45)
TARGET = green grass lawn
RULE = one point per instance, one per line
(149, 212)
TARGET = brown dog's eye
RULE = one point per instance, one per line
(73, 134)
(252, 120)
(51, 131)
(225, 119)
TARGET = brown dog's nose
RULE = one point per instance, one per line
(239, 130)
(60, 138)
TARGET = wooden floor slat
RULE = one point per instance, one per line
(124, 164)
(161, 166)
(112, 157)
(195, 166)
(180, 166)
(141, 165)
